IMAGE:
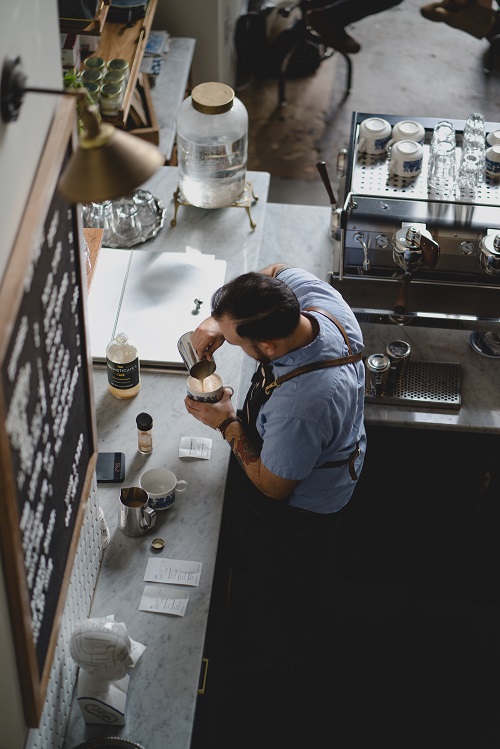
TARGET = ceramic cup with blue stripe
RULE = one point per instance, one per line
(374, 134)
(161, 486)
(406, 159)
(492, 161)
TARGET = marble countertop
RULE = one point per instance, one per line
(164, 683)
(170, 89)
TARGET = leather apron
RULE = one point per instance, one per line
(264, 383)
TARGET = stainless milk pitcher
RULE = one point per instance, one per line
(197, 368)
(135, 517)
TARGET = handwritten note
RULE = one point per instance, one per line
(163, 600)
(175, 571)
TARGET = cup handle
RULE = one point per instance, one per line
(361, 144)
(148, 517)
(181, 486)
(229, 387)
(392, 168)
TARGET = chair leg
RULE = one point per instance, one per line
(349, 73)
(282, 76)
(490, 56)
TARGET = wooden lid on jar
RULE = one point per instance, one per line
(212, 98)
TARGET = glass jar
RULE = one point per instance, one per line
(121, 66)
(212, 144)
(114, 76)
(111, 99)
(123, 367)
(90, 75)
(93, 90)
(95, 63)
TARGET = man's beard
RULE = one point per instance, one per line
(258, 355)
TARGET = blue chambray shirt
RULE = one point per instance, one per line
(318, 416)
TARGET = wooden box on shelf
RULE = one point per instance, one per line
(85, 26)
(117, 40)
(142, 118)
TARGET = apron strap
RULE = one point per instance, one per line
(321, 364)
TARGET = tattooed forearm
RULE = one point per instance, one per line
(244, 450)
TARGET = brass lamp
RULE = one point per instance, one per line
(108, 162)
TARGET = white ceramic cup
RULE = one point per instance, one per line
(407, 130)
(492, 161)
(374, 134)
(161, 486)
(406, 159)
(493, 138)
(209, 390)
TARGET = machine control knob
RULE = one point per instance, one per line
(467, 248)
(382, 241)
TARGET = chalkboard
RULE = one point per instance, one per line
(46, 411)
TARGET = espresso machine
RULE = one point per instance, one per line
(405, 254)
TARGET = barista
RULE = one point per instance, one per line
(298, 444)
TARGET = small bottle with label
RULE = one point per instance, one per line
(144, 433)
(123, 367)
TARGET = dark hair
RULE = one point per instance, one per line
(263, 307)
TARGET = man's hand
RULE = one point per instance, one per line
(211, 414)
(207, 338)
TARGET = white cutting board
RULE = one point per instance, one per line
(150, 297)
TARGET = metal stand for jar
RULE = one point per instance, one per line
(247, 199)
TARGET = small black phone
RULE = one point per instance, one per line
(110, 467)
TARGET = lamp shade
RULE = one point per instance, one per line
(108, 165)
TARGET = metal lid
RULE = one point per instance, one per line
(378, 363)
(212, 98)
(118, 64)
(110, 90)
(158, 543)
(94, 62)
(144, 422)
(398, 349)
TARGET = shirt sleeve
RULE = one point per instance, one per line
(292, 446)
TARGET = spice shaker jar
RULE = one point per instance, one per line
(212, 144)
(144, 433)
(123, 367)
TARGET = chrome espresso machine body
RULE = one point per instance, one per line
(404, 254)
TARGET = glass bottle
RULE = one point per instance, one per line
(212, 145)
(123, 367)
(144, 432)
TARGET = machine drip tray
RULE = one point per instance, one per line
(424, 384)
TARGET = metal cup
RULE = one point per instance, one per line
(378, 366)
(399, 355)
(135, 517)
(198, 368)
